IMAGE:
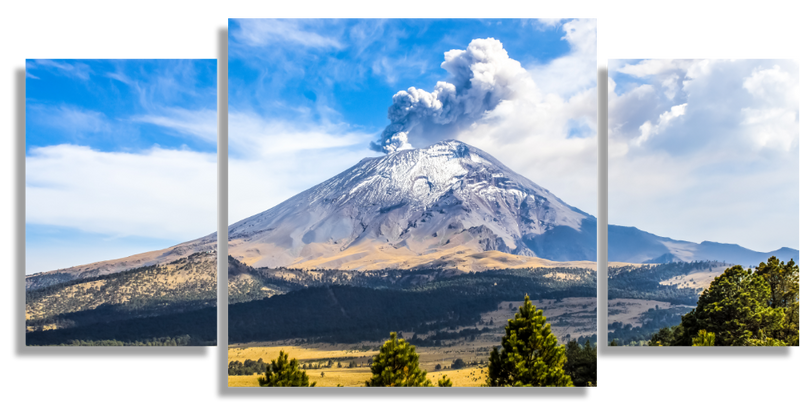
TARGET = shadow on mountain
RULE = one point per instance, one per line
(563, 243)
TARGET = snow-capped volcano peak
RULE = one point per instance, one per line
(416, 201)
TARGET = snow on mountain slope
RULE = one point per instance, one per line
(409, 203)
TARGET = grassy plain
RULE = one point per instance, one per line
(464, 255)
(355, 377)
(630, 311)
(696, 279)
(573, 316)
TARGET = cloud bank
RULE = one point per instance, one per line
(122, 194)
(706, 150)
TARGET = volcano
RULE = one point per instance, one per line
(417, 207)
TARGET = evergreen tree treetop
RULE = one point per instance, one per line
(397, 365)
(735, 307)
(783, 282)
(284, 373)
(530, 355)
(703, 339)
(782, 279)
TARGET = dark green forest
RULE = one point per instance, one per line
(192, 328)
(347, 314)
(184, 340)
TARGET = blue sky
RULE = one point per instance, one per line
(706, 150)
(120, 157)
(303, 91)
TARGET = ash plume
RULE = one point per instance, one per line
(482, 76)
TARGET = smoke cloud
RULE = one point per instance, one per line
(482, 76)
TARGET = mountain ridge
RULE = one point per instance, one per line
(632, 245)
(180, 251)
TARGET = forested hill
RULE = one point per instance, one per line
(247, 284)
(651, 281)
(183, 285)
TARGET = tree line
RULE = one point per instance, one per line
(343, 314)
(200, 325)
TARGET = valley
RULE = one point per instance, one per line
(572, 318)
(633, 312)
(645, 298)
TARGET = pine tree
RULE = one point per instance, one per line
(703, 339)
(582, 363)
(284, 373)
(766, 341)
(782, 279)
(397, 365)
(444, 381)
(530, 355)
(735, 307)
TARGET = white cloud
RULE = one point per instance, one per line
(531, 136)
(670, 85)
(252, 136)
(653, 67)
(77, 70)
(549, 22)
(197, 123)
(530, 132)
(169, 194)
(772, 86)
(648, 129)
(75, 119)
(576, 71)
(725, 164)
(268, 32)
(272, 160)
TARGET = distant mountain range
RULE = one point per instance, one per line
(629, 244)
(441, 205)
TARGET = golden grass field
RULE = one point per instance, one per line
(580, 311)
(355, 377)
(696, 279)
(465, 255)
(629, 310)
